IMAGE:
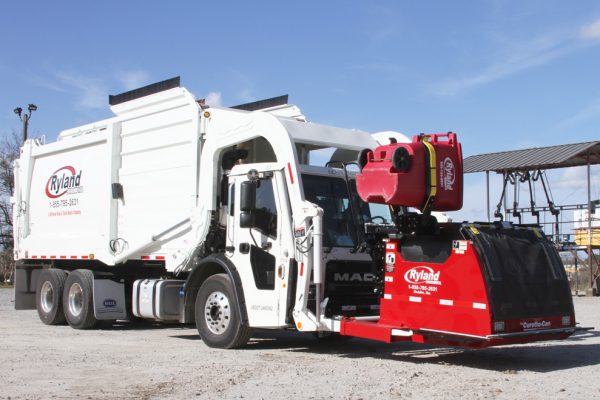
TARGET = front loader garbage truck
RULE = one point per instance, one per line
(173, 210)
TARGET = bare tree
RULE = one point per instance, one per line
(9, 152)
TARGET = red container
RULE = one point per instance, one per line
(406, 174)
(448, 152)
(382, 182)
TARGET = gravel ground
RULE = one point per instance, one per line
(147, 361)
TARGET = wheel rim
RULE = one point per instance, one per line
(75, 299)
(47, 297)
(217, 313)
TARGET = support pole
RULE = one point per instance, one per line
(487, 192)
(25, 126)
(505, 175)
(589, 227)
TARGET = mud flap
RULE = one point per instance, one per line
(26, 277)
(109, 300)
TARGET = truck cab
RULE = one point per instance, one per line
(264, 239)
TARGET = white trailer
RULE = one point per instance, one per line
(174, 210)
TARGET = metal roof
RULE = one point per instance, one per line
(561, 156)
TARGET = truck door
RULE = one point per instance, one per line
(256, 248)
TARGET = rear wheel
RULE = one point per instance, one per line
(217, 316)
(49, 296)
(78, 300)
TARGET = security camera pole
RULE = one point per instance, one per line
(25, 117)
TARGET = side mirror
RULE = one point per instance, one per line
(248, 196)
(246, 220)
(247, 204)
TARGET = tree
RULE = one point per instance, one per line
(9, 152)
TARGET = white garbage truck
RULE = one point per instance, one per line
(175, 210)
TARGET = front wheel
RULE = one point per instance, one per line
(217, 316)
(78, 300)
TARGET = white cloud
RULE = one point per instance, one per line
(213, 99)
(575, 178)
(133, 79)
(90, 92)
(50, 84)
(520, 56)
(591, 31)
(532, 54)
(587, 113)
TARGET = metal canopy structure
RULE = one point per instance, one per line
(527, 166)
(561, 156)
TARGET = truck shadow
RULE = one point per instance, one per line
(142, 325)
(538, 357)
(577, 351)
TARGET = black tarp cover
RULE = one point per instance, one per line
(523, 272)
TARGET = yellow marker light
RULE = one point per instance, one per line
(92, 256)
(299, 325)
(206, 114)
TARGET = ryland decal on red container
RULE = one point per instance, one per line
(447, 174)
(422, 274)
(423, 280)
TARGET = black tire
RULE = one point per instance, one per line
(78, 300)
(48, 296)
(218, 316)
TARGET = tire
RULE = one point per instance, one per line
(217, 314)
(78, 300)
(48, 296)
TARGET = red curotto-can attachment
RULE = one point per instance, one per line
(425, 174)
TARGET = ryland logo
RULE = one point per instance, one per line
(63, 180)
(422, 274)
(447, 174)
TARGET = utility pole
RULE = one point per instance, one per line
(25, 117)
(589, 227)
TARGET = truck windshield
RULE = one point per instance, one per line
(331, 194)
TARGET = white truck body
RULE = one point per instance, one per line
(165, 156)
(145, 186)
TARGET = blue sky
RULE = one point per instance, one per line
(502, 74)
